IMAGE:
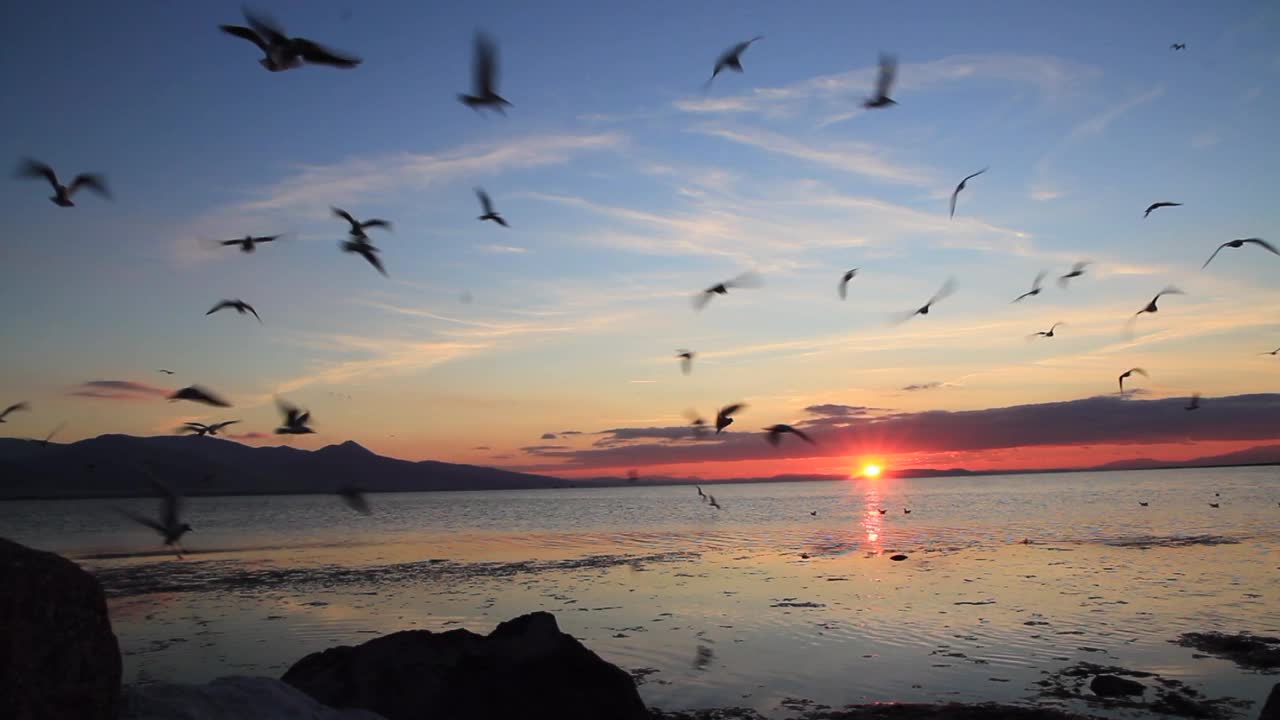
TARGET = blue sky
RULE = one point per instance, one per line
(628, 188)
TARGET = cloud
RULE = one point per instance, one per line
(503, 249)
(922, 386)
(1205, 139)
(1103, 420)
(118, 390)
(853, 157)
(548, 436)
(541, 449)
(832, 410)
(482, 447)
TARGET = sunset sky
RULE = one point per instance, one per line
(549, 346)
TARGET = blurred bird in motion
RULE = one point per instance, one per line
(354, 498)
(1239, 244)
(295, 420)
(686, 360)
(724, 418)
(884, 83)
(14, 408)
(775, 433)
(731, 59)
(956, 192)
(1035, 287)
(282, 52)
(249, 243)
(241, 307)
(944, 292)
(358, 228)
(201, 429)
(745, 280)
(486, 204)
(1151, 306)
(698, 423)
(1046, 333)
(366, 250)
(844, 282)
(170, 525)
(1076, 271)
(1194, 403)
(484, 77)
(1154, 206)
(195, 393)
(1129, 372)
(62, 193)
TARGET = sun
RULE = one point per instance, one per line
(871, 471)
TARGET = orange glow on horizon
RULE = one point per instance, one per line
(871, 471)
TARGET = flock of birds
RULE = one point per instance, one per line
(282, 52)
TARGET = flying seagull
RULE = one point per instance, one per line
(484, 77)
(701, 495)
(1239, 244)
(295, 420)
(732, 58)
(202, 429)
(366, 250)
(844, 282)
(776, 431)
(686, 360)
(711, 500)
(357, 227)
(1046, 333)
(195, 393)
(282, 52)
(354, 498)
(1153, 206)
(1151, 306)
(62, 193)
(745, 280)
(241, 307)
(1214, 505)
(14, 408)
(724, 418)
(1178, 46)
(960, 187)
(1035, 287)
(166, 372)
(1076, 271)
(888, 69)
(1194, 403)
(947, 288)
(1143, 503)
(1273, 352)
(487, 205)
(170, 525)
(1129, 372)
(698, 423)
(248, 243)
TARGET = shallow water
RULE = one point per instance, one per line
(647, 575)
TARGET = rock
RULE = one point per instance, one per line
(526, 668)
(898, 558)
(1271, 711)
(230, 698)
(58, 655)
(1115, 686)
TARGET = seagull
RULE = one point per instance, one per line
(295, 420)
(732, 58)
(240, 306)
(14, 408)
(489, 212)
(776, 431)
(960, 187)
(202, 429)
(55, 431)
(1273, 352)
(166, 372)
(1214, 505)
(844, 282)
(357, 227)
(169, 525)
(1195, 402)
(248, 243)
(947, 288)
(1151, 306)
(1143, 503)
(1178, 46)
(699, 424)
(62, 193)
(195, 393)
(882, 511)
(484, 77)
(1035, 287)
(1129, 372)
(906, 511)
(701, 495)
(366, 250)
(354, 498)
(724, 418)
(1046, 333)
(1153, 206)
(711, 500)
(1238, 244)
(888, 69)
(813, 513)
(282, 52)
(1076, 271)
(745, 280)
(686, 360)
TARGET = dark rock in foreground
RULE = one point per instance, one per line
(526, 668)
(230, 698)
(58, 655)
(1115, 686)
(1254, 652)
(897, 711)
(1271, 711)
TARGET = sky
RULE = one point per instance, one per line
(549, 346)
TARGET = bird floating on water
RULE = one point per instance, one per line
(62, 193)
(1129, 372)
(1238, 244)
(14, 408)
(1154, 206)
(241, 307)
(960, 187)
(775, 433)
(195, 393)
(484, 77)
(884, 83)
(282, 52)
(1035, 287)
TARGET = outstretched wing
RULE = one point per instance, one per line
(484, 67)
(219, 306)
(1262, 243)
(321, 55)
(888, 71)
(368, 252)
(266, 27)
(339, 212)
(485, 202)
(803, 436)
(246, 33)
(91, 181)
(1214, 255)
(249, 307)
(376, 223)
(35, 169)
(943, 292)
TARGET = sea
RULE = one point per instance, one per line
(785, 599)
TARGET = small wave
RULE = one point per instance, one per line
(1171, 541)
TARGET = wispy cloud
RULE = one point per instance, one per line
(1205, 139)
(503, 249)
(858, 158)
(916, 387)
(118, 390)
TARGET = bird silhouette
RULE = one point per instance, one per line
(1178, 46)
(282, 52)
(888, 71)
(732, 58)
(1194, 403)
(1214, 505)
(55, 431)
(686, 360)
(698, 423)
(775, 432)
(201, 429)
(1273, 352)
(358, 228)
(1151, 306)
(62, 193)
(1143, 503)
(745, 280)
(1076, 271)
(947, 288)
(241, 307)
(195, 393)
(484, 77)
(711, 500)
(882, 511)
(1035, 287)
(1239, 244)
(1046, 333)
(956, 192)
(724, 418)
(249, 243)
(489, 213)
(354, 498)
(1129, 372)
(14, 408)
(813, 513)
(366, 250)
(1153, 206)
(701, 495)
(844, 282)
(166, 372)
(169, 525)
(295, 420)
(906, 511)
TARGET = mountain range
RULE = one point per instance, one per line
(117, 466)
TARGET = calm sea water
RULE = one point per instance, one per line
(790, 605)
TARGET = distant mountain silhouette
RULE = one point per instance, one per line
(111, 466)
(1260, 455)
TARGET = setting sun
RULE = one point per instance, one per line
(871, 471)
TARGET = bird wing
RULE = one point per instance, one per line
(747, 279)
(728, 410)
(484, 67)
(34, 168)
(378, 223)
(249, 307)
(485, 202)
(843, 288)
(231, 242)
(141, 520)
(1263, 243)
(1214, 255)
(947, 288)
(701, 299)
(369, 252)
(224, 423)
(321, 55)
(265, 238)
(219, 306)
(954, 194)
(888, 70)
(803, 436)
(1039, 279)
(974, 175)
(14, 407)
(246, 33)
(289, 410)
(1140, 371)
(1171, 290)
(339, 212)
(91, 181)
(266, 27)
